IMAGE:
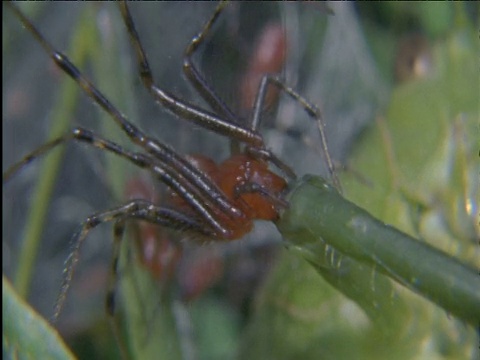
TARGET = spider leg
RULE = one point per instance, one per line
(156, 148)
(27, 159)
(194, 113)
(311, 110)
(251, 187)
(118, 232)
(183, 109)
(197, 79)
(135, 209)
(201, 204)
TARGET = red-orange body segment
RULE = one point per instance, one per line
(234, 176)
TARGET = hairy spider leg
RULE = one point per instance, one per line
(191, 112)
(162, 171)
(206, 119)
(136, 209)
(309, 108)
(183, 109)
(196, 78)
(165, 153)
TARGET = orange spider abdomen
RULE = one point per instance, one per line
(239, 172)
(247, 183)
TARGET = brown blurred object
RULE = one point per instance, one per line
(157, 252)
(268, 57)
(413, 59)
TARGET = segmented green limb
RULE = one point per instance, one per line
(320, 221)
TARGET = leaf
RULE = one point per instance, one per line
(26, 334)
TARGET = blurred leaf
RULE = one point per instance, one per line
(27, 335)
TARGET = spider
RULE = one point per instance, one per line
(158, 253)
(212, 202)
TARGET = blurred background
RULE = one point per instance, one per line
(343, 57)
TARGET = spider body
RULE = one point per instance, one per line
(240, 177)
(248, 184)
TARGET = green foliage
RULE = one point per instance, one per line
(26, 334)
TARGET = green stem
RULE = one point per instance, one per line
(61, 120)
(319, 218)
